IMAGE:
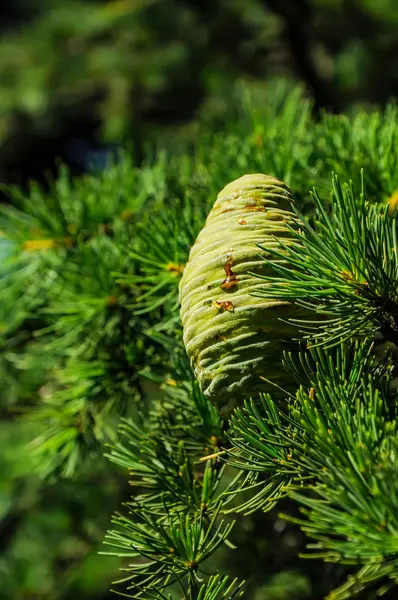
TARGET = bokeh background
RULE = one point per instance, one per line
(76, 77)
(81, 79)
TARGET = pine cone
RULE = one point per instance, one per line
(232, 337)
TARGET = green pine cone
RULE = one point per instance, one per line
(232, 337)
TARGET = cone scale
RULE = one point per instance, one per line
(232, 337)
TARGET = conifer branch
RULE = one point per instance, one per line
(90, 338)
(332, 450)
(344, 269)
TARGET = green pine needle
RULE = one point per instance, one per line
(344, 269)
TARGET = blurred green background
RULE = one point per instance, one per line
(79, 79)
(75, 76)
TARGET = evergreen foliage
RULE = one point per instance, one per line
(344, 268)
(91, 339)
